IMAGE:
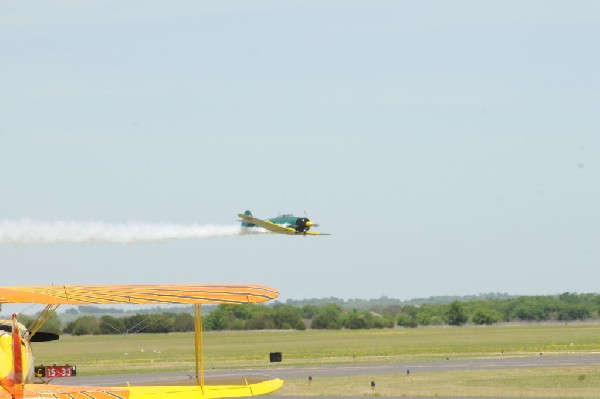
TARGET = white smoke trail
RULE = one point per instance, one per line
(27, 231)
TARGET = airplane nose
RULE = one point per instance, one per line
(309, 223)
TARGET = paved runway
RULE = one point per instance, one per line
(285, 372)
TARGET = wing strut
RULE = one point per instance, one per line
(198, 346)
(41, 319)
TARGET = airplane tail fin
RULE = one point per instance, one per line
(246, 224)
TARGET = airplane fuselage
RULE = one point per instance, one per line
(299, 224)
(16, 368)
(282, 224)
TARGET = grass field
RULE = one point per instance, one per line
(576, 382)
(247, 349)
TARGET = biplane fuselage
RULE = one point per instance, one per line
(14, 366)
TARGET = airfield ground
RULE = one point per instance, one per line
(525, 361)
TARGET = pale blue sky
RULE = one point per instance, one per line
(451, 148)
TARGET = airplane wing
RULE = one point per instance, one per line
(315, 233)
(276, 228)
(146, 392)
(139, 294)
(68, 392)
(208, 391)
(265, 224)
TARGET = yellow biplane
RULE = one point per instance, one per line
(16, 357)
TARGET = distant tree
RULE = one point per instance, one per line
(218, 319)
(456, 314)
(383, 322)
(573, 311)
(391, 311)
(135, 323)
(111, 325)
(242, 312)
(410, 310)
(85, 325)
(260, 322)
(183, 322)
(98, 309)
(569, 297)
(158, 323)
(309, 311)
(288, 317)
(356, 320)
(424, 318)
(402, 318)
(261, 318)
(406, 321)
(237, 324)
(328, 318)
(532, 308)
(144, 323)
(484, 316)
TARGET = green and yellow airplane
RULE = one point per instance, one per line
(283, 224)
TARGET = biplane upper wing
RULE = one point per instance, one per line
(139, 294)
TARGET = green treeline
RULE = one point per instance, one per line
(565, 307)
(142, 323)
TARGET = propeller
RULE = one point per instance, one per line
(304, 224)
(311, 224)
(42, 336)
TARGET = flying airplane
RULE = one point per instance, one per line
(16, 356)
(283, 224)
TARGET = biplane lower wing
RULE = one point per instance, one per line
(31, 391)
(64, 392)
(208, 391)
